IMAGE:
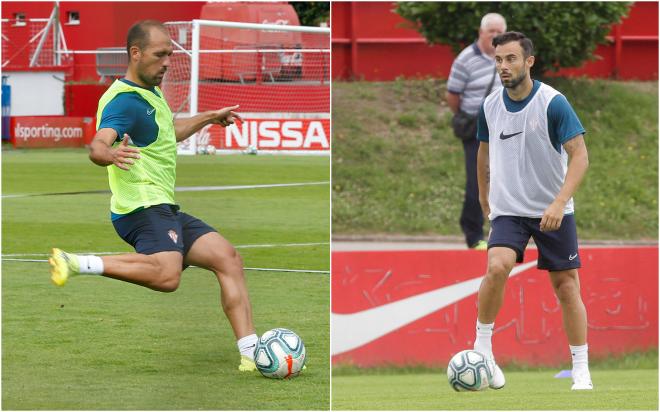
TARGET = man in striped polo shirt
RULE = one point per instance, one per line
(472, 75)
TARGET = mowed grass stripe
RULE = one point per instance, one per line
(530, 390)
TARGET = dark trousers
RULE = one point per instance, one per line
(472, 219)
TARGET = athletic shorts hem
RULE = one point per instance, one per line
(152, 251)
(519, 253)
(540, 267)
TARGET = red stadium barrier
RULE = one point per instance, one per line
(270, 134)
(366, 36)
(419, 307)
(51, 131)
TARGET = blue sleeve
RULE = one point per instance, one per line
(130, 113)
(563, 123)
(482, 126)
(119, 115)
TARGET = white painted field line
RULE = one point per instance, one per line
(281, 245)
(213, 188)
(272, 245)
(176, 189)
(246, 268)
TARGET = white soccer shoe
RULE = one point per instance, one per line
(497, 380)
(581, 380)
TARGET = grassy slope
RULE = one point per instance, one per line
(398, 169)
(103, 344)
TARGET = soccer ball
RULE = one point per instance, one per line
(206, 149)
(468, 371)
(280, 354)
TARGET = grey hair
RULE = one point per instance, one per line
(492, 18)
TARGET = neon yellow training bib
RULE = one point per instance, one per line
(150, 180)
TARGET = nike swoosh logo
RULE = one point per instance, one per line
(571, 257)
(152, 110)
(353, 330)
(507, 136)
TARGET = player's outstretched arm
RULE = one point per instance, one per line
(102, 153)
(483, 177)
(578, 163)
(184, 128)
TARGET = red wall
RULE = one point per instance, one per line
(370, 43)
(419, 307)
(105, 24)
(102, 24)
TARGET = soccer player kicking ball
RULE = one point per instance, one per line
(136, 139)
(531, 160)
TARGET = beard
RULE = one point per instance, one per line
(513, 82)
(150, 80)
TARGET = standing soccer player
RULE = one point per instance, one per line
(531, 160)
(136, 139)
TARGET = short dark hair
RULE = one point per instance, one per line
(138, 34)
(508, 37)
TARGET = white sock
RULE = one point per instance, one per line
(483, 342)
(580, 355)
(90, 264)
(246, 345)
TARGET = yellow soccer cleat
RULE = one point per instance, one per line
(480, 245)
(63, 266)
(247, 364)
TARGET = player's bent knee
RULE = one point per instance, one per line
(228, 262)
(169, 274)
(567, 290)
(498, 270)
(169, 283)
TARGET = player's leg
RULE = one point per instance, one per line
(566, 284)
(154, 232)
(558, 253)
(213, 252)
(206, 248)
(501, 260)
(159, 271)
(506, 244)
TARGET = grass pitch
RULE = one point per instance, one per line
(98, 343)
(529, 390)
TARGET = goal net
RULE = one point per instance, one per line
(278, 75)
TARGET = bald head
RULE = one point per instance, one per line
(493, 19)
(492, 24)
(139, 34)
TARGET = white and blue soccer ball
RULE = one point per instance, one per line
(206, 149)
(251, 149)
(280, 354)
(469, 371)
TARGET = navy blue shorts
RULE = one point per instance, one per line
(160, 228)
(558, 250)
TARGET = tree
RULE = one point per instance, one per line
(565, 34)
(312, 13)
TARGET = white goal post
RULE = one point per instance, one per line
(278, 74)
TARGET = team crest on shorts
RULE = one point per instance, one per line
(172, 234)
